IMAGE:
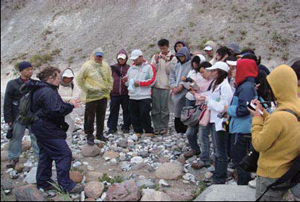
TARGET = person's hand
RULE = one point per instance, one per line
(125, 79)
(75, 103)
(183, 78)
(156, 57)
(224, 58)
(136, 83)
(225, 109)
(258, 107)
(202, 98)
(10, 124)
(164, 57)
(180, 88)
(193, 92)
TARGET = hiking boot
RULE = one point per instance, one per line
(157, 132)
(126, 131)
(12, 164)
(163, 131)
(91, 141)
(191, 153)
(102, 138)
(77, 189)
(149, 134)
(199, 165)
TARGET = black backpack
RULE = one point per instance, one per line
(26, 116)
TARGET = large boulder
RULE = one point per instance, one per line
(26, 145)
(126, 191)
(94, 189)
(28, 193)
(152, 195)
(169, 171)
(90, 151)
(227, 193)
(76, 176)
(111, 155)
(93, 176)
(179, 195)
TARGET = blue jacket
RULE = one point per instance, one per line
(52, 115)
(241, 120)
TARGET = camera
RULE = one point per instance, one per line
(159, 57)
(222, 115)
(189, 80)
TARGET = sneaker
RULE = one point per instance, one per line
(77, 189)
(157, 132)
(191, 153)
(102, 138)
(149, 134)
(12, 164)
(91, 141)
(199, 165)
(252, 184)
(163, 131)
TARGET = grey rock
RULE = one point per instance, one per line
(28, 193)
(31, 176)
(145, 183)
(152, 195)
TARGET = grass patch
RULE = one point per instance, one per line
(192, 24)
(39, 60)
(65, 195)
(285, 56)
(71, 59)
(280, 40)
(151, 45)
(114, 180)
(196, 193)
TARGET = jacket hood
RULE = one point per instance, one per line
(122, 51)
(186, 52)
(284, 84)
(33, 85)
(245, 68)
(62, 76)
(92, 57)
(183, 42)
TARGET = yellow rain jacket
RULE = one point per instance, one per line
(277, 136)
(95, 80)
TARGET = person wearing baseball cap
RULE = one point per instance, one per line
(140, 78)
(96, 82)
(210, 49)
(119, 95)
(218, 99)
(11, 110)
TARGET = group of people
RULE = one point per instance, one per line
(223, 81)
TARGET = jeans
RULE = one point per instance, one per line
(15, 143)
(261, 186)
(205, 143)
(115, 103)
(160, 109)
(240, 145)
(221, 159)
(192, 135)
(96, 108)
(140, 115)
(54, 150)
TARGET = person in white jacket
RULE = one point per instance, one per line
(218, 99)
(68, 92)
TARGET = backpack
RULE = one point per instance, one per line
(26, 116)
(292, 175)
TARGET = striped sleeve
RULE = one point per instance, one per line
(150, 81)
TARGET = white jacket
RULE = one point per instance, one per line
(216, 102)
(197, 77)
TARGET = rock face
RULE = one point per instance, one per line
(94, 189)
(126, 191)
(227, 193)
(152, 195)
(76, 176)
(90, 151)
(93, 176)
(28, 193)
(169, 171)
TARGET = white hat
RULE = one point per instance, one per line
(202, 58)
(232, 63)
(68, 73)
(219, 65)
(122, 56)
(135, 54)
(208, 48)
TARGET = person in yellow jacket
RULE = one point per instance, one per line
(96, 82)
(276, 136)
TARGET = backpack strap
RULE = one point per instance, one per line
(291, 112)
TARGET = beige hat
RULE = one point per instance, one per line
(121, 56)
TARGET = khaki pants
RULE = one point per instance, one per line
(261, 186)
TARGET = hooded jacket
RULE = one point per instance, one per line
(181, 69)
(277, 136)
(54, 110)
(119, 87)
(163, 69)
(180, 41)
(146, 75)
(246, 72)
(95, 80)
(67, 91)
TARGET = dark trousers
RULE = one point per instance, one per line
(95, 109)
(115, 103)
(54, 150)
(221, 158)
(179, 126)
(240, 145)
(140, 115)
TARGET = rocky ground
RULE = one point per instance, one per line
(151, 168)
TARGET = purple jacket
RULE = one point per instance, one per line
(118, 72)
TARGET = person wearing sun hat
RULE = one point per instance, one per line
(210, 49)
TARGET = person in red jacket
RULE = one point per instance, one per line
(119, 95)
